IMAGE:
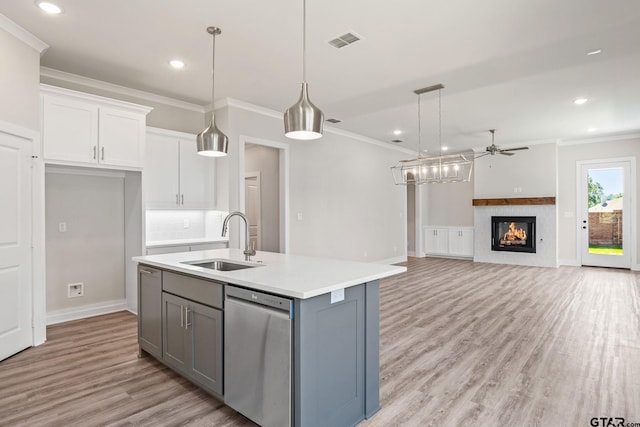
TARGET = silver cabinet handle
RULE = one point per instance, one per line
(177, 200)
(187, 312)
(102, 150)
(146, 271)
(182, 199)
(94, 152)
(181, 316)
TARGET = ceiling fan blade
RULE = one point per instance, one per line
(506, 154)
(515, 149)
(482, 155)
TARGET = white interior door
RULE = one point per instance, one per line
(252, 205)
(15, 245)
(606, 214)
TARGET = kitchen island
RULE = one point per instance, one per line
(200, 321)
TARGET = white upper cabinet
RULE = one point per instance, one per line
(89, 130)
(176, 176)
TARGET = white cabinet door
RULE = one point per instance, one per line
(196, 177)
(461, 242)
(161, 174)
(69, 130)
(436, 241)
(176, 176)
(121, 139)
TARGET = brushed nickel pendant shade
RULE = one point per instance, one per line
(211, 141)
(303, 120)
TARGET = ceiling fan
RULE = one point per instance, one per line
(493, 149)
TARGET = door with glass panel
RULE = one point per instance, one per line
(605, 216)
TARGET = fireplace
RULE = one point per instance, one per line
(513, 233)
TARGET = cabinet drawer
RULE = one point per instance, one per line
(203, 291)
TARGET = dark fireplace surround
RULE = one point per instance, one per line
(513, 233)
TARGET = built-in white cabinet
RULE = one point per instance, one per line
(176, 176)
(436, 240)
(87, 130)
(449, 241)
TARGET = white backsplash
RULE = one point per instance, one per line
(162, 225)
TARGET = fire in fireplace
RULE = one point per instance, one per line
(513, 233)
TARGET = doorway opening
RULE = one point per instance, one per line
(264, 193)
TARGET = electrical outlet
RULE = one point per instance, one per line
(62, 227)
(185, 223)
(75, 290)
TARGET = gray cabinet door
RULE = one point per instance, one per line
(150, 310)
(205, 327)
(192, 341)
(175, 336)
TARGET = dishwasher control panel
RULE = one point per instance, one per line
(273, 301)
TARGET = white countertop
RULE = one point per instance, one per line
(180, 242)
(289, 275)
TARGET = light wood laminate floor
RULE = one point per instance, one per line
(462, 343)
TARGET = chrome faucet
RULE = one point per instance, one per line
(248, 250)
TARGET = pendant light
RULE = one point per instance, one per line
(211, 141)
(303, 120)
(434, 169)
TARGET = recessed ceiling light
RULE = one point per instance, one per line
(177, 64)
(592, 129)
(49, 7)
(445, 148)
(397, 132)
(594, 52)
(580, 101)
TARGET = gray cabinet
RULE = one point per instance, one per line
(192, 332)
(150, 310)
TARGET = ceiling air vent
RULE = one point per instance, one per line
(344, 40)
(333, 121)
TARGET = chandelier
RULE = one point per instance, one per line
(433, 169)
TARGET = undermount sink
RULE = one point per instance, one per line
(221, 265)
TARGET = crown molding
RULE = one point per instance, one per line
(23, 35)
(231, 102)
(122, 90)
(601, 138)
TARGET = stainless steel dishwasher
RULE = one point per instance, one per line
(257, 356)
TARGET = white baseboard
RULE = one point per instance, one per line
(75, 313)
(569, 262)
(392, 260)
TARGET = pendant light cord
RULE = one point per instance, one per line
(304, 41)
(440, 119)
(213, 72)
(419, 130)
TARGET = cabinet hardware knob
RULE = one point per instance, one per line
(102, 149)
(182, 199)
(181, 316)
(177, 200)
(94, 152)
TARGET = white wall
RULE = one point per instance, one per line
(568, 155)
(533, 171)
(265, 160)
(19, 76)
(92, 249)
(341, 186)
(448, 204)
